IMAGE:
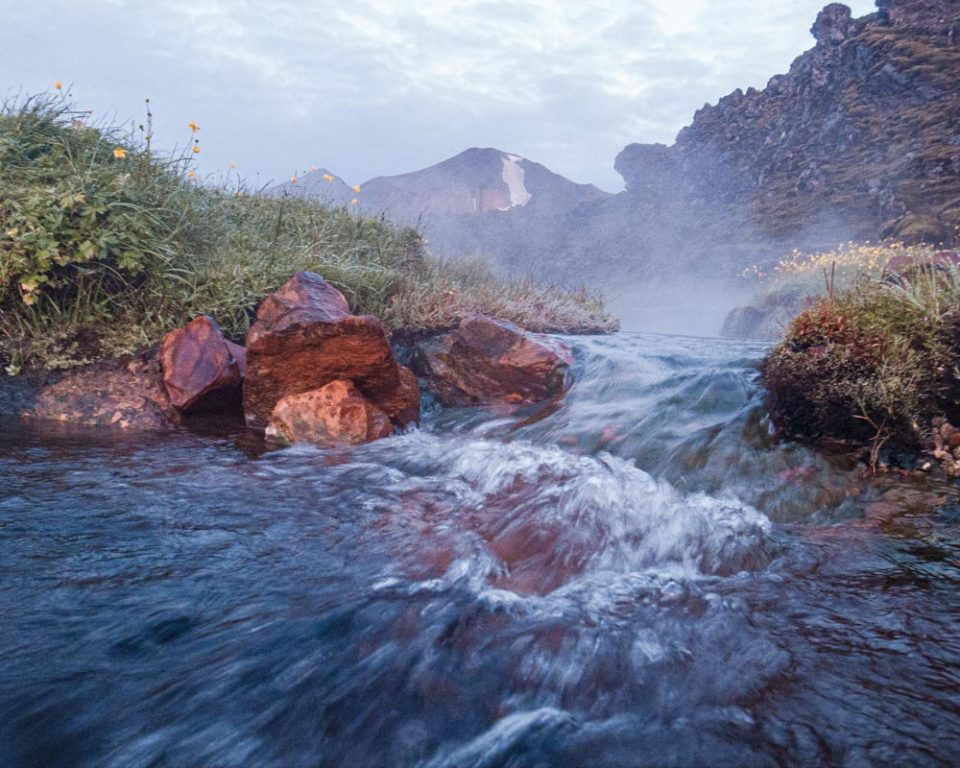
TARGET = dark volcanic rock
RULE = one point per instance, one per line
(202, 371)
(305, 337)
(492, 362)
(768, 319)
(832, 25)
(742, 323)
(333, 414)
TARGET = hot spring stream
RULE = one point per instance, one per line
(642, 577)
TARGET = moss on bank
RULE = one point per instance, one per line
(104, 246)
(874, 363)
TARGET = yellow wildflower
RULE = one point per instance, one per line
(196, 149)
(327, 177)
(119, 153)
(354, 202)
(191, 174)
(58, 85)
(29, 299)
(193, 127)
(293, 179)
(356, 187)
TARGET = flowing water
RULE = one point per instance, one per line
(642, 576)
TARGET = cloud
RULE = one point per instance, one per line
(373, 87)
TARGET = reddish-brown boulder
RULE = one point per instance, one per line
(202, 371)
(487, 361)
(304, 337)
(334, 414)
(115, 393)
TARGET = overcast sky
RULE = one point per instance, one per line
(371, 87)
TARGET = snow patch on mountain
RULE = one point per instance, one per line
(513, 177)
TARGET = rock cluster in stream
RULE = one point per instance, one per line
(943, 446)
(311, 371)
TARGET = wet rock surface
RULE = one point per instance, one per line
(126, 393)
(202, 371)
(334, 414)
(487, 361)
(305, 337)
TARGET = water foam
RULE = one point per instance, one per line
(534, 518)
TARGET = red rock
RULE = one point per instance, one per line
(404, 402)
(202, 371)
(240, 355)
(487, 361)
(951, 436)
(127, 394)
(304, 337)
(333, 414)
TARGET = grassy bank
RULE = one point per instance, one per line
(799, 279)
(875, 362)
(105, 246)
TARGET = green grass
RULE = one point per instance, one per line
(876, 362)
(101, 254)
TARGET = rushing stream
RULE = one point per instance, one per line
(640, 577)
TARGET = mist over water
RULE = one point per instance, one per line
(642, 576)
(692, 305)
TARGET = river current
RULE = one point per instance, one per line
(641, 576)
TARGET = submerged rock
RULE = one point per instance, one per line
(305, 337)
(202, 371)
(487, 361)
(335, 413)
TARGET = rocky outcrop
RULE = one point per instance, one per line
(333, 414)
(487, 361)
(833, 25)
(305, 337)
(767, 319)
(202, 371)
(128, 394)
(742, 323)
(862, 131)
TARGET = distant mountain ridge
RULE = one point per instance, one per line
(460, 202)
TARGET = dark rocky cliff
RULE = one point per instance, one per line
(863, 132)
